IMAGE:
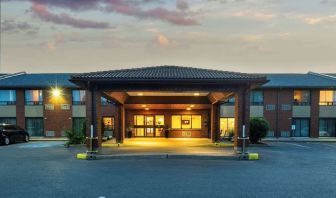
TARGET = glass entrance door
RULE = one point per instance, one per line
(148, 125)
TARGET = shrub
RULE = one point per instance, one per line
(258, 129)
(76, 137)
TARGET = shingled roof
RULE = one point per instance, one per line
(166, 73)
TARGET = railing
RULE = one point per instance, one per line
(34, 102)
(7, 102)
(299, 103)
(327, 103)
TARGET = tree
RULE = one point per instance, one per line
(258, 129)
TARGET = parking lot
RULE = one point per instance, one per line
(286, 169)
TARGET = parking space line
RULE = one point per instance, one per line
(298, 145)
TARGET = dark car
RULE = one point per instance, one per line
(10, 133)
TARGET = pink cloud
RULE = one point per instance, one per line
(179, 16)
(43, 13)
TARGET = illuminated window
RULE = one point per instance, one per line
(33, 97)
(226, 127)
(139, 132)
(149, 120)
(176, 121)
(196, 121)
(139, 120)
(327, 97)
(159, 120)
(301, 97)
(186, 121)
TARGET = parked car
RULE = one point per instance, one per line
(10, 133)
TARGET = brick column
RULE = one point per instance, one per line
(94, 116)
(20, 108)
(214, 121)
(242, 115)
(122, 122)
(314, 113)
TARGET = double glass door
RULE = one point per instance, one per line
(148, 125)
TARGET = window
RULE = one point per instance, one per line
(301, 127)
(270, 107)
(327, 127)
(226, 127)
(257, 98)
(139, 120)
(78, 125)
(78, 97)
(229, 101)
(328, 97)
(105, 101)
(186, 121)
(301, 97)
(7, 97)
(159, 120)
(33, 97)
(34, 126)
(8, 120)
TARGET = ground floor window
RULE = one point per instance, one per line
(34, 126)
(8, 120)
(186, 121)
(301, 127)
(78, 125)
(148, 125)
(226, 127)
(327, 127)
(108, 127)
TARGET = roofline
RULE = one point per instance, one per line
(323, 75)
(11, 75)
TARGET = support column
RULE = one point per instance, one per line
(121, 118)
(214, 122)
(242, 115)
(94, 117)
(20, 108)
(314, 113)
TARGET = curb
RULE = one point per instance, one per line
(167, 156)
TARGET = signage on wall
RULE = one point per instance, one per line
(186, 122)
(65, 106)
(186, 133)
(49, 107)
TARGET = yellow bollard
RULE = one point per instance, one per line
(82, 156)
(253, 156)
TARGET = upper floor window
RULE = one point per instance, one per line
(105, 101)
(33, 97)
(78, 97)
(229, 101)
(328, 97)
(301, 97)
(7, 97)
(257, 98)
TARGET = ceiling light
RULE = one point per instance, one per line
(192, 106)
(140, 94)
(56, 92)
(143, 105)
(146, 109)
(188, 109)
(196, 94)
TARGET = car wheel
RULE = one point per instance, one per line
(7, 141)
(26, 138)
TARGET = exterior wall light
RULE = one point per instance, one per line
(56, 92)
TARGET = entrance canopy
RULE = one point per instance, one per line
(170, 87)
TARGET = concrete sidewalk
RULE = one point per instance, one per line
(300, 139)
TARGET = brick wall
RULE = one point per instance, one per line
(20, 108)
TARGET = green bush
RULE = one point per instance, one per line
(258, 129)
(76, 137)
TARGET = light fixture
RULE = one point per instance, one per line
(196, 94)
(146, 109)
(143, 105)
(188, 109)
(192, 106)
(56, 92)
(140, 94)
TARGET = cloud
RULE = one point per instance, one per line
(44, 14)
(61, 39)
(10, 25)
(263, 16)
(134, 8)
(162, 40)
(182, 5)
(317, 20)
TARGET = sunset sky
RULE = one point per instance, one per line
(236, 35)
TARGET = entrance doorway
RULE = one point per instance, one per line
(148, 125)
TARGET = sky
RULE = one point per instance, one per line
(254, 36)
